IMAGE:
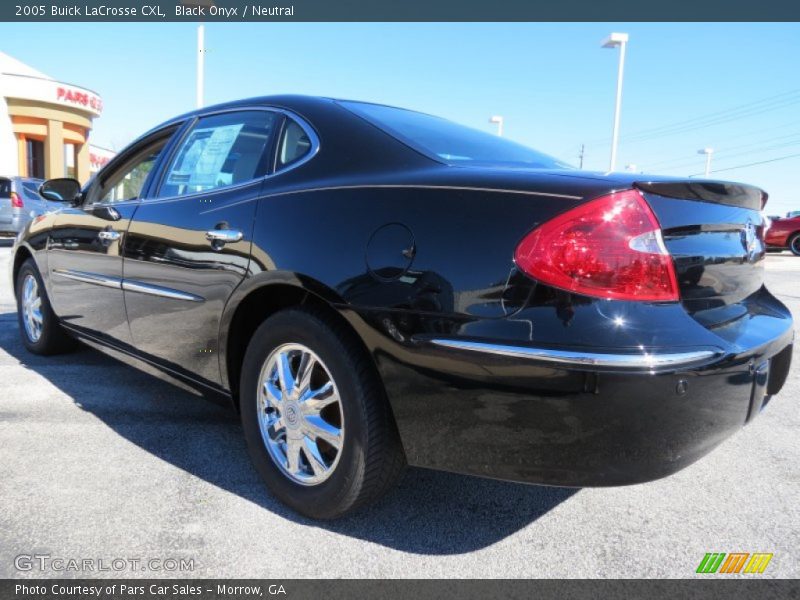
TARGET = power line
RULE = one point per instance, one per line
(689, 163)
(761, 162)
(711, 123)
(758, 106)
(744, 110)
(725, 150)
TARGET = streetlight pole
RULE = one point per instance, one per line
(612, 41)
(708, 152)
(200, 64)
(499, 121)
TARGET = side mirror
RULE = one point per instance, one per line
(60, 190)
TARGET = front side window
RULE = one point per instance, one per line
(449, 142)
(221, 150)
(127, 182)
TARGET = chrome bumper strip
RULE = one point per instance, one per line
(646, 360)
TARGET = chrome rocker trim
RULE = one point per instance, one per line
(644, 361)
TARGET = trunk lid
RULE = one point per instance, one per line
(715, 234)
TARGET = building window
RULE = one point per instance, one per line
(34, 150)
(69, 161)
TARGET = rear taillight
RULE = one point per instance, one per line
(610, 247)
(16, 201)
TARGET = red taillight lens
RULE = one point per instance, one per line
(16, 201)
(610, 247)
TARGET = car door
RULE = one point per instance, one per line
(84, 257)
(188, 245)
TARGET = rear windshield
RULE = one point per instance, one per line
(449, 142)
(5, 188)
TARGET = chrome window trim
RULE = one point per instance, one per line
(310, 131)
(645, 360)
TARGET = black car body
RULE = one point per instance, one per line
(487, 369)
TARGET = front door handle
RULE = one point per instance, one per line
(218, 237)
(109, 235)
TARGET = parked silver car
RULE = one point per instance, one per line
(20, 202)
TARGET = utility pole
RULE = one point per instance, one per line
(580, 156)
(613, 41)
(200, 64)
(498, 120)
(708, 152)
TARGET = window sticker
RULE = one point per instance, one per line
(203, 158)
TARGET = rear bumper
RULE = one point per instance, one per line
(552, 417)
(14, 223)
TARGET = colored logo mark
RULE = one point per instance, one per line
(735, 562)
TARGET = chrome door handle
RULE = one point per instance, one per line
(108, 235)
(223, 236)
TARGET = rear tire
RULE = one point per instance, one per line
(39, 327)
(322, 437)
(794, 244)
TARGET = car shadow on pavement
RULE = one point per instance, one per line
(429, 512)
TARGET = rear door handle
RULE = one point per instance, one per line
(108, 235)
(219, 237)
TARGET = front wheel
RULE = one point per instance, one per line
(794, 244)
(316, 419)
(39, 327)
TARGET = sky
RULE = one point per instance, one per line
(732, 87)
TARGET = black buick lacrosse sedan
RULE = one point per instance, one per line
(370, 286)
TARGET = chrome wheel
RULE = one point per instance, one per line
(32, 308)
(300, 414)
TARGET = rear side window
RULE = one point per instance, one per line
(294, 145)
(5, 188)
(219, 151)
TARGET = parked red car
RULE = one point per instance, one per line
(783, 234)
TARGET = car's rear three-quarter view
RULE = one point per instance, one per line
(372, 287)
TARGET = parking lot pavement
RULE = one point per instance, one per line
(103, 462)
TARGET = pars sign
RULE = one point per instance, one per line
(79, 97)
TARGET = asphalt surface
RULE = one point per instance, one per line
(100, 461)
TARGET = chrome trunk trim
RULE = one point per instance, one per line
(644, 361)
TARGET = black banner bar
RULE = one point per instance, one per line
(233, 11)
(712, 588)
